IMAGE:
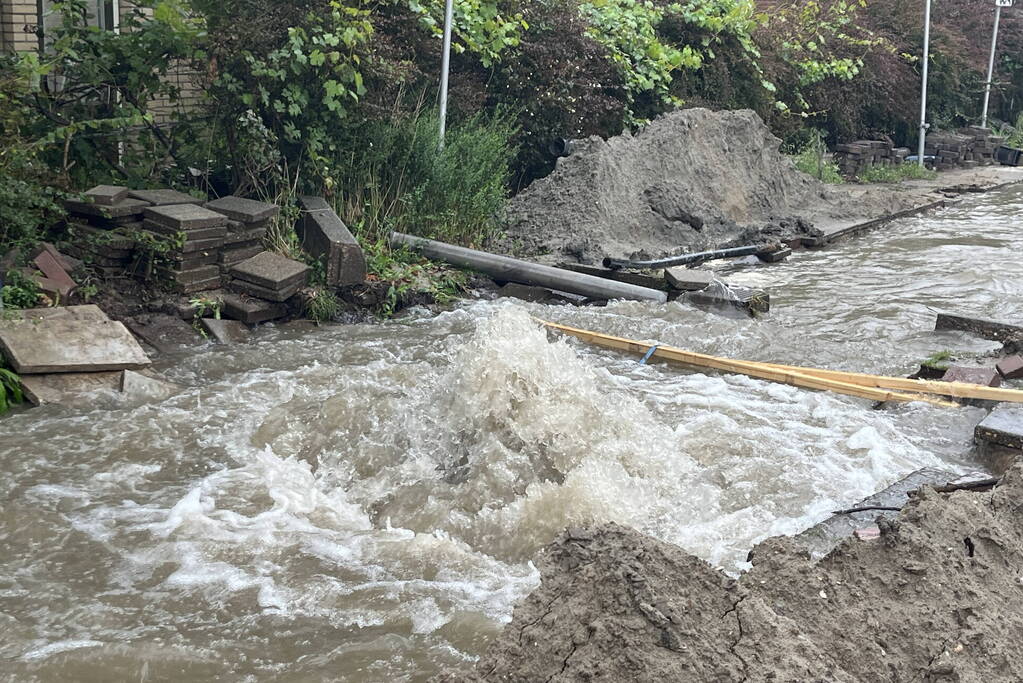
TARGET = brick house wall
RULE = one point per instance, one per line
(18, 22)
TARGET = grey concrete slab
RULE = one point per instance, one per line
(185, 234)
(122, 209)
(251, 311)
(688, 279)
(236, 255)
(67, 388)
(247, 236)
(540, 295)
(325, 237)
(649, 279)
(278, 295)
(107, 194)
(1003, 427)
(185, 217)
(86, 312)
(67, 344)
(244, 210)
(165, 197)
(226, 331)
(272, 271)
(146, 386)
(164, 333)
(721, 299)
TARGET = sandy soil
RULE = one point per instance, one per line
(938, 597)
(691, 180)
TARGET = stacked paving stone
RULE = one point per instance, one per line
(947, 149)
(195, 237)
(102, 224)
(269, 276)
(247, 223)
(853, 158)
(982, 145)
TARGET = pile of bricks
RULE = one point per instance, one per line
(948, 150)
(247, 223)
(853, 158)
(192, 238)
(101, 227)
(983, 145)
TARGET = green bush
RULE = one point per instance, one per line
(10, 390)
(811, 160)
(395, 178)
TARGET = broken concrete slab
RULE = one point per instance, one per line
(107, 195)
(137, 386)
(1011, 367)
(775, 256)
(325, 237)
(165, 197)
(278, 295)
(226, 331)
(185, 217)
(1003, 427)
(244, 210)
(540, 295)
(122, 209)
(164, 333)
(688, 279)
(66, 344)
(988, 329)
(823, 537)
(66, 388)
(985, 377)
(272, 271)
(251, 311)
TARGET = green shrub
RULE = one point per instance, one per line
(323, 306)
(395, 178)
(19, 291)
(811, 160)
(10, 390)
(895, 174)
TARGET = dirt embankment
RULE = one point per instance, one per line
(938, 597)
(691, 179)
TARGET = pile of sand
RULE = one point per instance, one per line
(939, 596)
(692, 179)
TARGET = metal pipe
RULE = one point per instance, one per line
(923, 86)
(990, 66)
(444, 68)
(699, 257)
(508, 269)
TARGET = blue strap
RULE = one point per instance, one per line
(648, 354)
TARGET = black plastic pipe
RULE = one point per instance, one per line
(682, 260)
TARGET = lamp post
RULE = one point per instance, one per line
(444, 67)
(999, 4)
(923, 87)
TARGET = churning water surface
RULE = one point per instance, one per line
(362, 502)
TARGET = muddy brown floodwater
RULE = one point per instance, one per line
(362, 502)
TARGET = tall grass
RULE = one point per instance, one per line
(811, 160)
(896, 173)
(395, 177)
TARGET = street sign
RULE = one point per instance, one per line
(1003, 3)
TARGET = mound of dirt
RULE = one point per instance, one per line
(939, 596)
(690, 180)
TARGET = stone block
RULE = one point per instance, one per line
(750, 301)
(1003, 427)
(165, 333)
(985, 377)
(107, 195)
(185, 217)
(244, 210)
(251, 311)
(123, 209)
(774, 256)
(185, 233)
(165, 197)
(272, 271)
(325, 236)
(236, 255)
(1011, 367)
(245, 236)
(68, 344)
(191, 276)
(68, 263)
(66, 388)
(688, 279)
(86, 312)
(226, 331)
(278, 295)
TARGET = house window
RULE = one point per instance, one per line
(102, 13)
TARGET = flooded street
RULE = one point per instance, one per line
(362, 502)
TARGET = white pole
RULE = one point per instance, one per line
(445, 64)
(990, 67)
(923, 87)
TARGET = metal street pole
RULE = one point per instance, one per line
(991, 59)
(923, 87)
(445, 65)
